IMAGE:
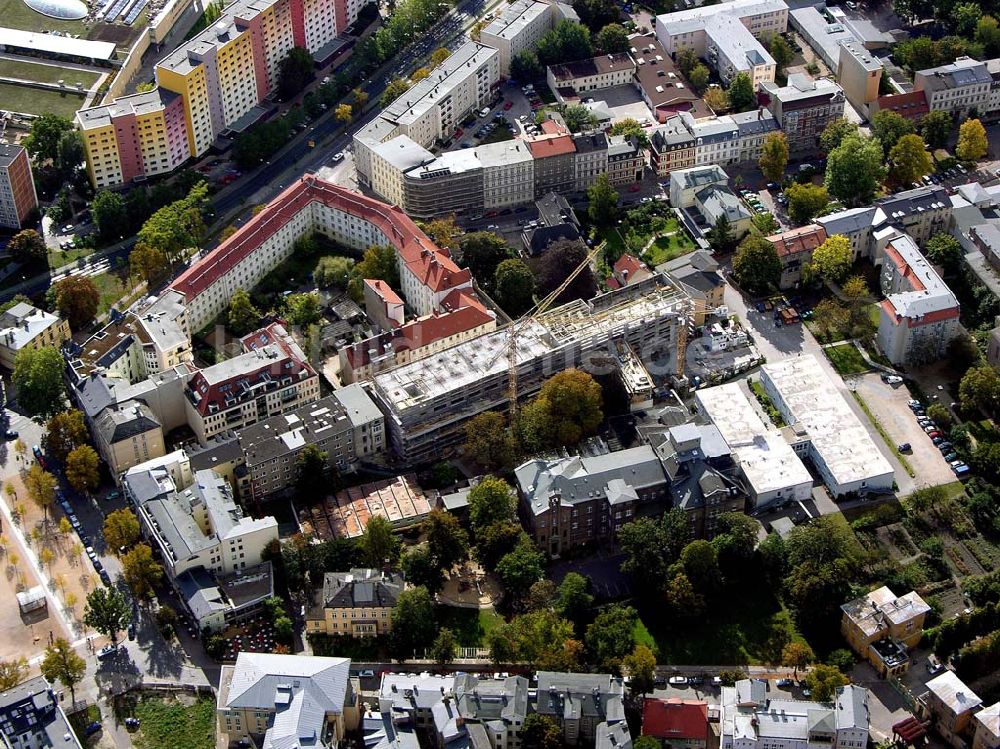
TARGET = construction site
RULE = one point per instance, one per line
(428, 402)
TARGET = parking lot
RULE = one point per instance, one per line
(888, 405)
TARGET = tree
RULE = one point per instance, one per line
(333, 271)
(61, 663)
(940, 415)
(419, 74)
(148, 263)
(734, 542)
(972, 144)
(421, 568)
(12, 673)
(603, 201)
(482, 252)
(774, 154)
(985, 461)
(889, 127)
(108, 212)
(295, 70)
(835, 132)
(488, 442)
(379, 261)
(83, 469)
(640, 665)
(741, 94)
(756, 264)
(560, 259)
(716, 99)
(781, 51)
(107, 612)
(178, 225)
(41, 487)
(413, 625)
(699, 77)
(806, 201)
(42, 142)
(721, 236)
(121, 530)
(682, 598)
(944, 250)
(568, 41)
(855, 169)
(396, 88)
(980, 388)
(567, 409)
(491, 501)
(632, 128)
(855, 293)
(936, 128)
(686, 62)
(700, 563)
(28, 246)
(77, 299)
(378, 543)
(578, 118)
(832, 260)
(444, 231)
(141, 571)
(609, 637)
(611, 39)
(445, 648)
(651, 547)
(439, 55)
(514, 286)
(312, 472)
(823, 680)
(64, 432)
(988, 35)
(302, 310)
(495, 540)
(447, 540)
(540, 732)
(796, 655)
(830, 316)
(965, 18)
(574, 599)
(243, 316)
(343, 113)
(519, 569)
(909, 160)
(525, 67)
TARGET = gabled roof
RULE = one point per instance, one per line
(675, 719)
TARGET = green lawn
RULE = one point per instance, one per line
(667, 248)
(59, 258)
(79, 722)
(36, 101)
(469, 625)
(359, 650)
(751, 628)
(32, 71)
(167, 721)
(112, 288)
(17, 15)
(846, 359)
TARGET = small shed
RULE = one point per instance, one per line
(32, 599)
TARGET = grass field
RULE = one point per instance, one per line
(36, 101)
(753, 629)
(668, 248)
(846, 359)
(59, 258)
(168, 721)
(32, 71)
(469, 625)
(17, 15)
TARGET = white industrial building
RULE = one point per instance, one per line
(839, 445)
(772, 470)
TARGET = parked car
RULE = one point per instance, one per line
(339, 156)
(933, 664)
(904, 448)
(945, 446)
(93, 728)
(106, 652)
(105, 577)
(132, 723)
(951, 456)
(784, 682)
(367, 674)
(677, 681)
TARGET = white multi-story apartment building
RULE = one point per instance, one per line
(727, 35)
(193, 518)
(519, 27)
(919, 316)
(957, 87)
(749, 720)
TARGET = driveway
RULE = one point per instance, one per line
(888, 404)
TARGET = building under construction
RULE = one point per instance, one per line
(428, 402)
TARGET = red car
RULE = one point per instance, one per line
(459, 133)
(508, 104)
(932, 435)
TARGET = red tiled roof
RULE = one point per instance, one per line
(384, 290)
(937, 315)
(415, 247)
(551, 127)
(675, 718)
(551, 145)
(912, 105)
(904, 268)
(794, 241)
(628, 263)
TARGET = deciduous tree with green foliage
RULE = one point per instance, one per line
(333, 271)
(295, 70)
(578, 118)
(520, 568)
(980, 389)
(722, 236)
(612, 39)
(491, 501)
(28, 246)
(141, 571)
(568, 41)
(944, 250)
(602, 200)
(806, 201)
(560, 259)
(525, 67)
(379, 261)
(796, 655)
(447, 540)
(832, 260)
(482, 252)
(640, 665)
(107, 612)
(38, 380)
(774, 155)
(61, 663)
(909, 160)
(108, 212)
(609, 637)
(312, 479)
(972, 143)
(13, 672)
(781, 51)
(855, 169)
(120, 530)
(823, 680)
(699, 77)
(756, 264)
(413, 626)
(396, 88)
(302, 310)
(42, 142)
(445, 647)
(379, 544)
(148, 263)
(630, 127)
(242, 317)
(514, 287)
(936, 128)
(650, 547)
(573, 598)
(65, 431)
(493, 541)
(77, 299)
(540, 732)
(41, 487)
(178, 225)
(741, 94)
(568, 408)
(83, 469)
(889, 127)
(488, 441)
(835, 132)
(420, 568)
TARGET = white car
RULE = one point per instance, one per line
(339, 156)
(677, 681)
